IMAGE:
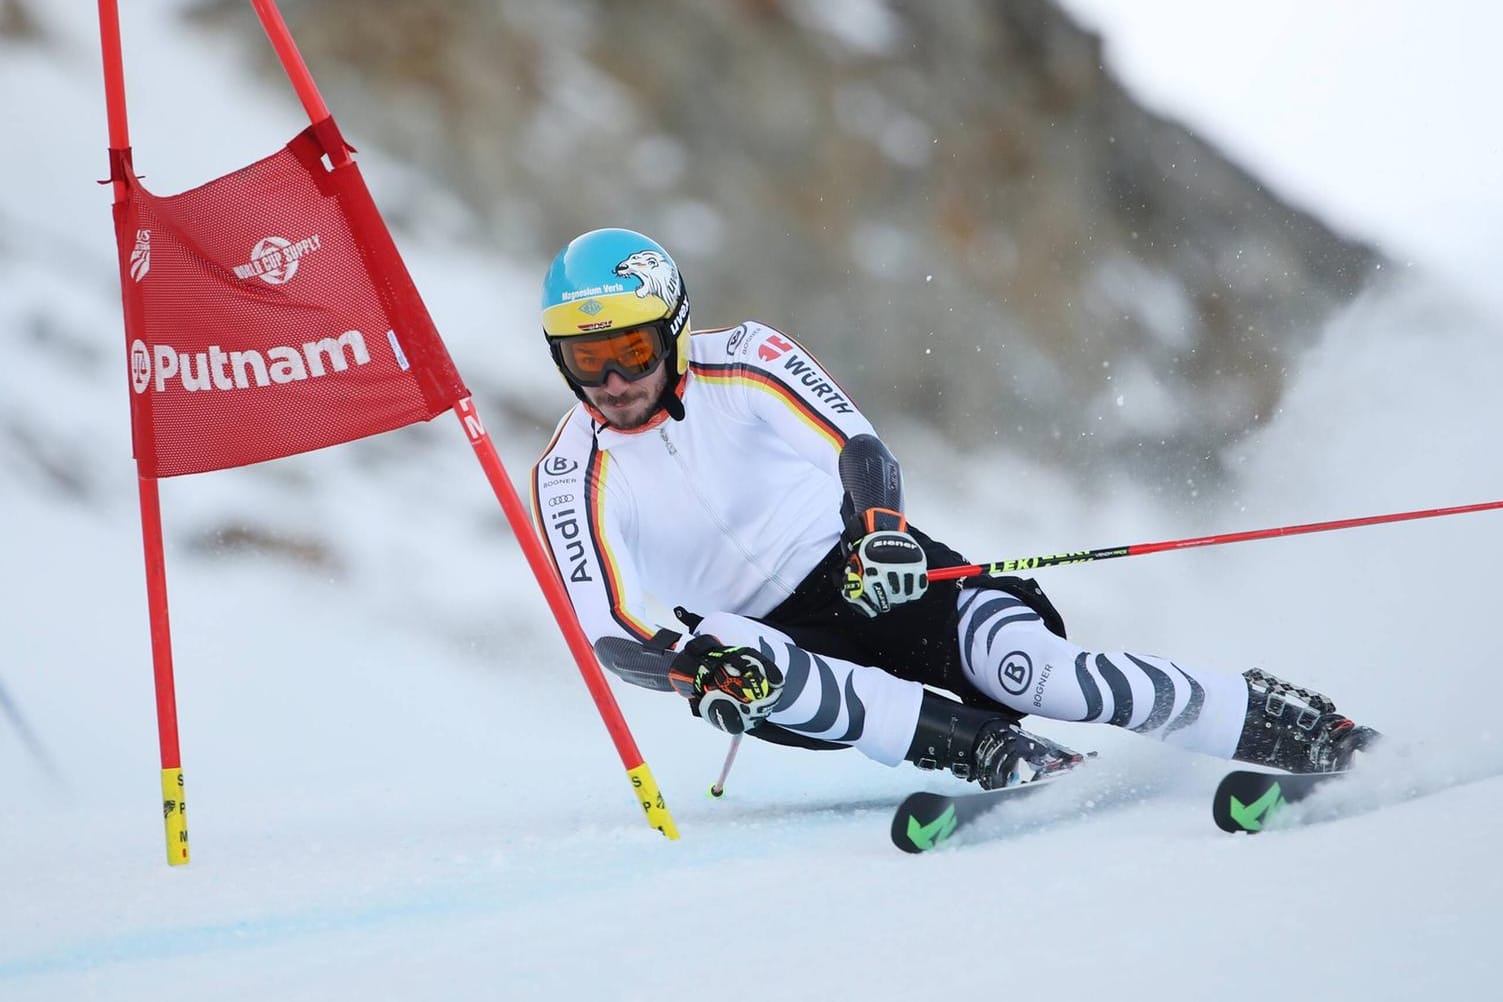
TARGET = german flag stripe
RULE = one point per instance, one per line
(730, 375)
(595, 474)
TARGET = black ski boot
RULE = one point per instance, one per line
(1296, 729)
(982, 746)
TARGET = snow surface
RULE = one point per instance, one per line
(399, 789)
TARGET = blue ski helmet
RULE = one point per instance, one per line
(615, 280)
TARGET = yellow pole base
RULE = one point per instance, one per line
(175, 816)
(651, 800)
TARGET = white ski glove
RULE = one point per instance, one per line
(884, 565)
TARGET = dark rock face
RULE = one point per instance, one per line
(953, 204)
(16, 22)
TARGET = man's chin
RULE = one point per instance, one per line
(628, 416)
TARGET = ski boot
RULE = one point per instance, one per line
(982, 746)
(1295, 729)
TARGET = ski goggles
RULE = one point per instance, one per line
(631, 354)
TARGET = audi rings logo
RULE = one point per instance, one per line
(140, 366)
(557, 466)
(1015, 673)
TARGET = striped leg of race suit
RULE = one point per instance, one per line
(828, 698)
(1009, 655)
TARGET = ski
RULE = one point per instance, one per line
(1246, 801)
(924, 821)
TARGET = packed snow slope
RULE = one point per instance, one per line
(398, 788)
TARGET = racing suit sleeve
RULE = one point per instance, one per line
(588, 532)
(790, 390)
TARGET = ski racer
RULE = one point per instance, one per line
(726, 475)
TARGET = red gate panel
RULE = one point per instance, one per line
(268, 313)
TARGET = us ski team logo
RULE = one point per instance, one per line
(140, 255)
(275, 260)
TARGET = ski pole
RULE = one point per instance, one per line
(1138, 549)
(718, 790)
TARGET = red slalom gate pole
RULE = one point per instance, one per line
(297, 72)
(114, 82)
(174, 807)
(643, 784)
(1138, 549)
(642, 781)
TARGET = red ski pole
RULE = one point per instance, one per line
(1138, 549)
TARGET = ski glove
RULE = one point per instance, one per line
(884, 565)
(731, 687)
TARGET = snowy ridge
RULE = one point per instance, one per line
(398, 789)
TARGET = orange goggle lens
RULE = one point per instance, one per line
(630, 353)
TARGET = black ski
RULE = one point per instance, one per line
(923, 821)
(1246, 801)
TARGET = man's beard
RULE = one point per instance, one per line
(641, 398)
(632, 401)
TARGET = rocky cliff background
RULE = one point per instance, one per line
(955, 204)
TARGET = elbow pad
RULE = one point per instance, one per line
(872, 480)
